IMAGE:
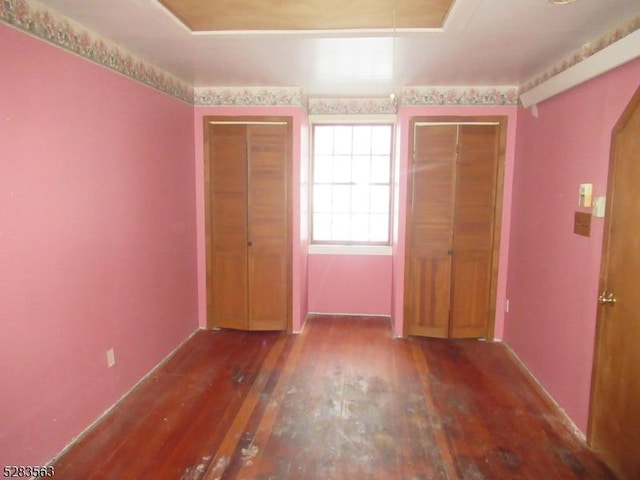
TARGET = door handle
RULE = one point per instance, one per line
(607, 298)
(249, 243)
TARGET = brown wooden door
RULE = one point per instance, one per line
(449, 270)
(227, 265)
(248, 226)
(614, 429)
(475, 206)
(268, 227)
(430, 230)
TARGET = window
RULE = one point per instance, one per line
(351, 191)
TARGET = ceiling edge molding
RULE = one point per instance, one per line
(35, 19)
(248, 96)
(442, 95)
(352, 106)
(621, 52)
(620, 44)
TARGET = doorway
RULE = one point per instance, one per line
(248, 222)
(454, 209)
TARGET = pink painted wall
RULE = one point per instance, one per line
(352, 284)
(404, 116)
(302, 274)
(553, 273)
(97, 234)
(300, 174)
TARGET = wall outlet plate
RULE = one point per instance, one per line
(599, 204)
(111, 357)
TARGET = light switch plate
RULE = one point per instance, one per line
(584, 195)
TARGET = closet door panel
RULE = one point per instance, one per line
(230, 281)
(268, 287)
(473, 229)
(227, 268)
(430, 224)
(470, 297)
(268, 163)
(427, 298)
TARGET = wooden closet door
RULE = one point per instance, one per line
(475, 206)
(268, 207)
(429, 230)
(227, 265)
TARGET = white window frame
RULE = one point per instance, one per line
(352, 247)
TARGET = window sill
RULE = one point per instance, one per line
(350, 249)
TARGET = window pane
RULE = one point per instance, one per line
(340, 227)
(360, 227)
(379, 228)
(342, 140)
(361, 169)
(342, 169)
(362, 140)
(323, 140)
(322, 168)
(380, 169)
(341, 201)
(351, 183)
(381, 139)
(379, 199)
(322, 198)
(322, 227)
(360, 199)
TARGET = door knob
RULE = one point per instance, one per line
(607, 298)
(249, 243)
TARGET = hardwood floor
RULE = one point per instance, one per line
(342, 400)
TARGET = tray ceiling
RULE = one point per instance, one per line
(482, 43)
(265, 15)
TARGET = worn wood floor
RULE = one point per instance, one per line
(343, 400)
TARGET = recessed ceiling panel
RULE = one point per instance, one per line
(225, 15)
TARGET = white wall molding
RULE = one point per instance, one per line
(593, 59)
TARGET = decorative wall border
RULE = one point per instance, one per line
(38, 20)
(352, 106)
(507, 95)
(35, 19)
(583, 53)
(248, 96)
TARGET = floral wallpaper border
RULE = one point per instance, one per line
(459, 96)
(351, 106)
(583, 53)
(35, 19)
(248, 96)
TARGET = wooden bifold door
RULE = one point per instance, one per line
(451, 258)
(247, 176)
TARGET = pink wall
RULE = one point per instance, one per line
(302, 274)
(300, 161)
(553, 273)
(404, 117)
(352, 284)
(97, 234)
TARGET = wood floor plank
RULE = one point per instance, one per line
(342, 400)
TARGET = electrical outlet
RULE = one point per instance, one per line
(506, 305)
(111, 357)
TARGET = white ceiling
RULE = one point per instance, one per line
(484, 42)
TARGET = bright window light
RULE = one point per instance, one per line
(351, 193)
